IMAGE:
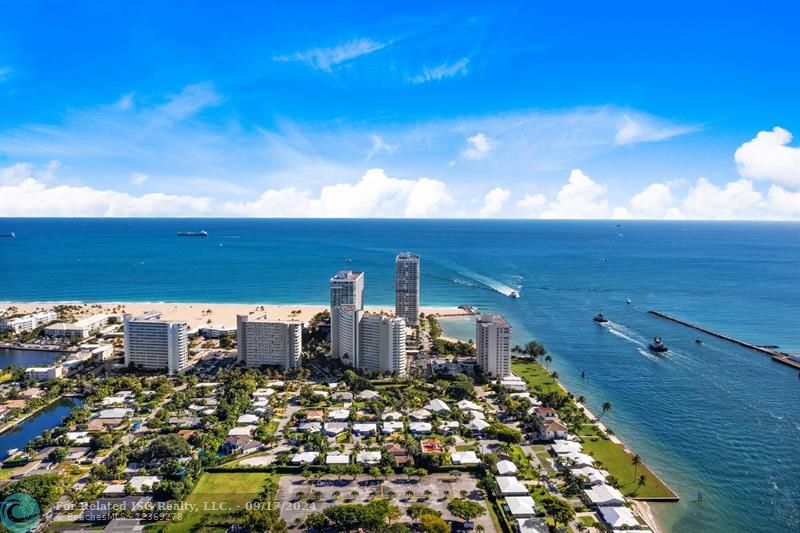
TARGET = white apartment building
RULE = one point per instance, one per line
(156, 344)
(22, 324)
(81, 328)
(348, 318)
(382, 344)
(44, 373)
(493, 343)
(406, 290)
(347, 288)
(261, 342)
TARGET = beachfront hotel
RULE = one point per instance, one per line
(406, 287)
(79, 329)
(22, 324)
(261, 342)
(156, 344)
(493, 343)
(382, 344)
(347, 288)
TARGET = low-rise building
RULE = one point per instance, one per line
(80, 329)
(23, 324)
(44, 373)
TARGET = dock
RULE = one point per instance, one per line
(778, 356)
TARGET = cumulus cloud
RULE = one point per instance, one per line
(769, 157)
(652, 202)
(325, 59)
(737, 199)
(374, 195)
(493, 201)
(641, 128)
(581, 197)
(480, 145)
(446, 70)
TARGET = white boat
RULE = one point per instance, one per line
(629, 300)
(514, 294)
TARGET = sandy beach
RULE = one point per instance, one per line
(200, 314)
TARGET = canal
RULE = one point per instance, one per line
(48, 418)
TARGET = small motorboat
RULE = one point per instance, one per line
(628, 300)
(698, 341)
(658, 346)
(600, 318)
(514, 294)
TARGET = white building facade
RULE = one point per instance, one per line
(22, 324)
(382, 344)
(79, 329)
(347, 289)
(156, 344)
(348, 319)
(406, 290)
(493, 344)
(261, 342)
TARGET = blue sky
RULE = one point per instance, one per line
(522, 109)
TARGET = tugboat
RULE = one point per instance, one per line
(600, 318)
(658, 346)
(202, 233)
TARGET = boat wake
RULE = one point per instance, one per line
(488, 282)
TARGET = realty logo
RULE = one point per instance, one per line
(19, 513)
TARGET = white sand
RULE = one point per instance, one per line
(197, 314)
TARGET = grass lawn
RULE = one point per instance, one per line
(214, 490)
(617, 461)
(272, 427)
(535, 376)
(518, 456)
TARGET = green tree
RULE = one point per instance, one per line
(465, 509)
(433, 524)
(561, 511)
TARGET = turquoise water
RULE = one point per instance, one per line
(710, 417)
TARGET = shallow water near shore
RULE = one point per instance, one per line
(710, 417)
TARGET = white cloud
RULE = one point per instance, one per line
(532, 202)
(640, 128)
(581, 197)
(493, 201)
(736, 200)
(652, 202)
(374, 195)
(378, 146)
(769, 157)
(125, 102)
(783, 204)
(325, 59)
(137, 178)
(459, 68)
(191, 100)
(480, 145)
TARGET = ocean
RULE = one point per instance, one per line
(709, 417)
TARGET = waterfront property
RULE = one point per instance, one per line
(493, 344)
(262, 342)
(156, 344)
(25, 323)
(406, 292)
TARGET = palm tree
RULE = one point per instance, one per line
(606, 408)
(642, 481)
(636, 461)
(548, 360)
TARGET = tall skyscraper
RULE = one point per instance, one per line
(382, 344)
(156, 344)
(261, 342)
(347, 319)
(406, 287)
(347, 288)
(493, 344)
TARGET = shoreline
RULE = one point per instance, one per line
(199, 314)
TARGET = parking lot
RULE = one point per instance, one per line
(293, 492)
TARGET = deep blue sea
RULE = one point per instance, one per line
(711, 417)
